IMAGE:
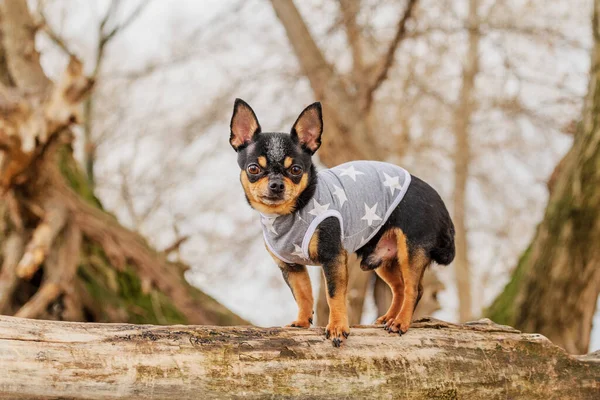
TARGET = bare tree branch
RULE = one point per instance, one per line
(54, 36)
(104, 39)
(382, 70)
(350, 9)
(175, 245)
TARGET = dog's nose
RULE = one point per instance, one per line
(276, 186)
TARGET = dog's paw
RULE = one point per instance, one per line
(300, 324)
(337, 332)
(397, 325)
(383, 319)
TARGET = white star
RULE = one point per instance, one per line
(298, 252)
(268, 223)
(351, 172)
(318, 208)
(370, 214)
(341, 195)
(392, 183)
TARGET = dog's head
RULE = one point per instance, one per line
(277, 171)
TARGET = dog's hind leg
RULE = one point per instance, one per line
(390, 271)
(412, 273)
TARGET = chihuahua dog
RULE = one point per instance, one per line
(396, 223)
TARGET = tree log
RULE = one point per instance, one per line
(435, 359)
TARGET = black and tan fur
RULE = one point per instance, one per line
(278, 177)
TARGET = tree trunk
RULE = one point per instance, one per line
(555, 287)
(434, 360)
(462, 159)
(63, 256)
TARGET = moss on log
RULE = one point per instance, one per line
(434, 360)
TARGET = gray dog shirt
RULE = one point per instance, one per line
(360, 194)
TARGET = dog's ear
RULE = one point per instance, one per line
(308, 128)
(244, 125)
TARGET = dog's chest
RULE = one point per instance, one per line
(360, 194)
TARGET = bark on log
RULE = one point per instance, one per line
(48, 359)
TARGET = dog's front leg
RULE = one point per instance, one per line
(296, 277)
(336, 277)
(326, 248)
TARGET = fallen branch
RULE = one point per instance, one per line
(59, 275)
(12, 251)
(43, 237)
(44, 359)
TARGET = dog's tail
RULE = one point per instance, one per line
(444, 252)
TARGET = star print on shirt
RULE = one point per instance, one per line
(370, 214)
(268, 223)
(341, 195)
(392, 182)
(298, 252)
(318, 208)
(351, 172)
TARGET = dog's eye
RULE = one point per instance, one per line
(253, 169)
(296, 170)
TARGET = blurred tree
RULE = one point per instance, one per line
(555, 286)
(63, 256)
